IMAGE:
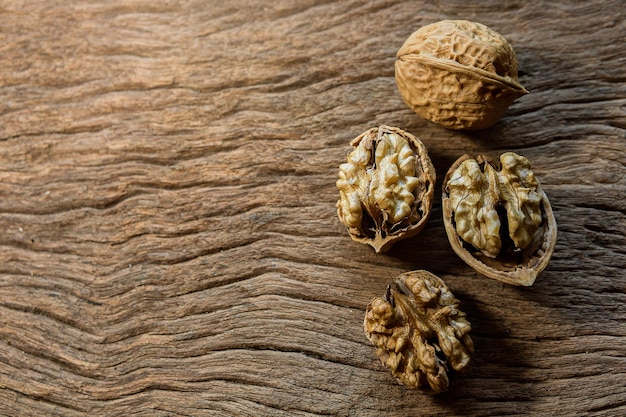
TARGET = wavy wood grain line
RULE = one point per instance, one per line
(170, 243)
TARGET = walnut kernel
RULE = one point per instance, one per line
(459, 74)
(497, 217)
(419, 332)
(386, 187)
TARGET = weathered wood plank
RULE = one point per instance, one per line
(170, 244)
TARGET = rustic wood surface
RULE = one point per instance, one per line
(170, 244)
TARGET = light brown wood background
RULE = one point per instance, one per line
(168, 237)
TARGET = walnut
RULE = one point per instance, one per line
(386, 187)
(459, 74)
(419, 332)
(497, 217)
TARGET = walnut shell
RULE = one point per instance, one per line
(498, 218)
(419, 332)
(459, 74)
(386, 187)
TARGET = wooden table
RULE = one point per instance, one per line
(170, 243)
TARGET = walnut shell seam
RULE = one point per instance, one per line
(458, 74)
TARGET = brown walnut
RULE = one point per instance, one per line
(386, 187)
(419, 332)
(459, 74)
(498, 218)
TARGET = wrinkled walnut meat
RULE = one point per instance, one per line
(386, 187)
(497, 217)
(419, 332)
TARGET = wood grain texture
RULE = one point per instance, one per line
(169, 240)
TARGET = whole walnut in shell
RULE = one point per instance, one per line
(498, 218)
(419, 332)
(459, 74)
(386, 187)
